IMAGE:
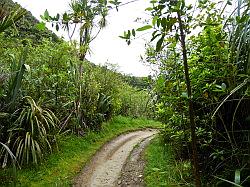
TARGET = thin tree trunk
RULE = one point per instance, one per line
(191, 108)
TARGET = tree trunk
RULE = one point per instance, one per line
(191, 108)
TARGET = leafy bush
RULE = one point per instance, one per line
(136, 103)
(35, 130)
(32, 134)
(218, 61)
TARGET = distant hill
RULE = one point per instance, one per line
(27, 26)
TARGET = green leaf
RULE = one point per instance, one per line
(184, 95)
(158, 22)
(57, 27)
(154, 37)
(237, 176)
(159, 44)
(123, 37)
(149, 9)
(65, 16)
(156, 169)
(41, 26)
(182, 5)
(229, 2)
(8, 20)
(129, 34)
(230, 182)
(164, 23)
(4, 115)
(223, 86)
(46, 15)
(133, 32)
(57, 17)
(13, 158)
(155, 20)
(16, 84)
(146, 27)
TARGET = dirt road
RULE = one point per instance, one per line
(118, 163)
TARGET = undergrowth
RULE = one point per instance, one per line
(161, 167)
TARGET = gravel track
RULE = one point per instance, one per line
(110, 165)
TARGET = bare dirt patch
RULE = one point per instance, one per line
(105, 167)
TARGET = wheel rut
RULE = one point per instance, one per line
(132, 171)
(117, 163)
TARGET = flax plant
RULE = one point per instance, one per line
(35, 130)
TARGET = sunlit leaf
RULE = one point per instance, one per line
(41, 26)
(146, 27)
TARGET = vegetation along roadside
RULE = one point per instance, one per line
(161, 167)
(56, 105)
(62, 166)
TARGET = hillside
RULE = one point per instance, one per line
(26, 28)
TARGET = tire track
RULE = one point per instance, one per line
(105, 167)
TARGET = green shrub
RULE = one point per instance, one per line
(33, 133)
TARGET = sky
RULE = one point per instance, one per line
(107, 47)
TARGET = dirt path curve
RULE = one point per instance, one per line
(106, 166)
(132, 171)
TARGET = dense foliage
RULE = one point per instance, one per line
(201, 91)
(214, 43)
(47, 89)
